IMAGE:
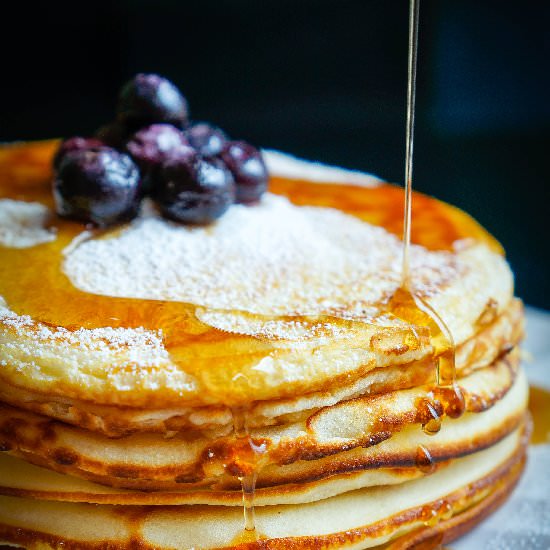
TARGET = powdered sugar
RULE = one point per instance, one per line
(291, 332)
(272, 259)
(23, 224)
(140, 346)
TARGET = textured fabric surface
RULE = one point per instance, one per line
(524, 521)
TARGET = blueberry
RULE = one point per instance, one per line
(206, 139)
(248, 168)
(114, 134)
(194, 190)
(74, 144)
(98, 186)
(151, 146)
(148, 99)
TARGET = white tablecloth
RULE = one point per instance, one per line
(524, 521)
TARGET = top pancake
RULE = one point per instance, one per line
(271, 301)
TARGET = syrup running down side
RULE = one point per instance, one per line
(247, 462)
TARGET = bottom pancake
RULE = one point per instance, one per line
(439, 503)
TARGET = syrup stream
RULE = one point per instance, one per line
(248, 487)
(405, 303)
(409, 138)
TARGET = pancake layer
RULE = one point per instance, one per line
(155, 466)
(494, 336)
(369, 425)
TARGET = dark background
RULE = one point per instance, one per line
(324, 80)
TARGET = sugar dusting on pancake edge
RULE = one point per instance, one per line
(141, 346)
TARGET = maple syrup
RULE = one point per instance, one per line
(539, 407)
(247, 460)
(432, 424)
(424, 461)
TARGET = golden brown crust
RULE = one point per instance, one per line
(193, 462)
(300, 482)
(427, 538)
(452, 515)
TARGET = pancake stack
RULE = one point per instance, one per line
(156, 380)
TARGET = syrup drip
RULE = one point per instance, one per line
(433, 425)
(439, 511)
(248, 487)
(424, 461)
(247, 464)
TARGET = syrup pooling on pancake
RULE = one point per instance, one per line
(67, 306)
(539, 398)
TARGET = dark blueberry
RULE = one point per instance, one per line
(206, 139)
(194, 190)
(115, 134)
(74, 144)
(98, 186)
(148, 99)
(248, 168)
(151, 146)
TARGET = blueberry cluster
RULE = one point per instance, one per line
(193, 171)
